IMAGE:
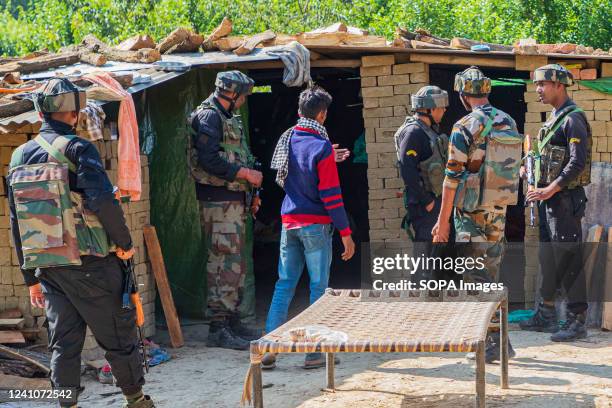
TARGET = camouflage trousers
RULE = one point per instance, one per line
(480, 234)
(223, 231)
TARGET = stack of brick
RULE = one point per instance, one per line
(13, 292)
(386, 88)
(597, 107)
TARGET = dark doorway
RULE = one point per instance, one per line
(272, 110)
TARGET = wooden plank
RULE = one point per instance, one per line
(466, 44)
(42, 63)
(606, 320)
(10, 313)
(11, 337)
(163, 286)
(321, 39)
(12, 323)
(13, 382)
(606, 69)
(416, 44)
(250, 43)
(336, 63)
(529, 62)
(477, 59)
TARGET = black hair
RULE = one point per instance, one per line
(312, 101)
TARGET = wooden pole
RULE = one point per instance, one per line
(480, 375)
(257, 385)
(163, 286)
(504, 343)
(330, 368)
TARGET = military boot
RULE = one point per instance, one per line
(544, 320)
(244, 331)
(574, 328)
(220, 335)
(493, 349)
(138, 400)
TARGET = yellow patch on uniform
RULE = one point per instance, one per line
(411, 153)
(575, 140)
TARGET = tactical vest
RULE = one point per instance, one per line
(54, 226)
(551, 159)
(234, 149)
(431, 170)
(496, 182)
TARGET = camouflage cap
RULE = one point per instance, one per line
(234, 81)
(554, 73)
(59, 95)
(429, 97)
(472, 82)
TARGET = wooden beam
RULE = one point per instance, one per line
(251, 42)
(11, 337)
(12, 323)
(42, 63)
(336, 63)
(467, 44)
(529, 62)
(479, 60)
(163, 286)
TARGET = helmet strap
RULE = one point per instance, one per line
(232, 101)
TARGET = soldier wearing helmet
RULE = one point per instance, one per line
(421, 154)
(482, 175)
(563, 167)
(221, 165)
(69, 233)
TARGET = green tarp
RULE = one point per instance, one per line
(174, 208)
(603, 85)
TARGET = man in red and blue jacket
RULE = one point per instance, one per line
(306, 164)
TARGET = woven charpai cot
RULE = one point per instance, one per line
(387, 322)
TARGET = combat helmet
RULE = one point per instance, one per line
(429, 97)
(554, 73)
(59, 95)
(472, 82)
(234, 81)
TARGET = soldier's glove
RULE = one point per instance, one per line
(125, 255)
(37, 299)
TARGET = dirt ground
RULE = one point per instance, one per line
(543, 375)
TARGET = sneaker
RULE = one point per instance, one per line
(222, 336)
(544, 320)
(492, 349)
(317, 360)
(573, 328)
(244, 331)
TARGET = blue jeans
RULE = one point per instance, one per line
(311, 245)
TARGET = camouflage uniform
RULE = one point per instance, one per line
(219, 150)
(563, 155)
(66, 223)
(484, 185)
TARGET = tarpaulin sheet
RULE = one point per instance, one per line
(174, 208)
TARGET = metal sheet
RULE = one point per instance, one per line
(81, 69)
(198, 59)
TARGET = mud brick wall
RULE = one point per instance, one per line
(386, 87)
(598, 109)
(14, 293)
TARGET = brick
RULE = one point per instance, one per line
(5, 256)
(370, 135)
(393, 224)
(602, 144)
(408, 68)
(586, 105)
(609, 128)
(598, 128)
(399, 111)
(375, 71)
(381, 194)
(532, 128)
(531, 97)
(371, 122)
(376, 235)
(533, 117)
(406, 89)
(587, 95)
(370, 103)
(6, 275)
(589, 73)
(595, 157)
(590, 115)
(606, 157)
(377, 92)
(419, 78)
(393, 203)
(396, 100)
(383, 173)
(377, 60)
(538, 107)
(378, 112)
(368, 81)
(602, 105)
(394, 183)
(377, 224)
(603, 115)
(375, 205)
(531, 87)
(6, 290)
(375, 183)
(575, 73)
(606, 69)
(389, 158)
(395, 121)
(4, 238)
(394, 79)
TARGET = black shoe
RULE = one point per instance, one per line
(574, 328)
(493, 348)
(222, 336)
(544, 320)
(241, 330)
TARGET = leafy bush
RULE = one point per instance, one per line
(28, 25)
